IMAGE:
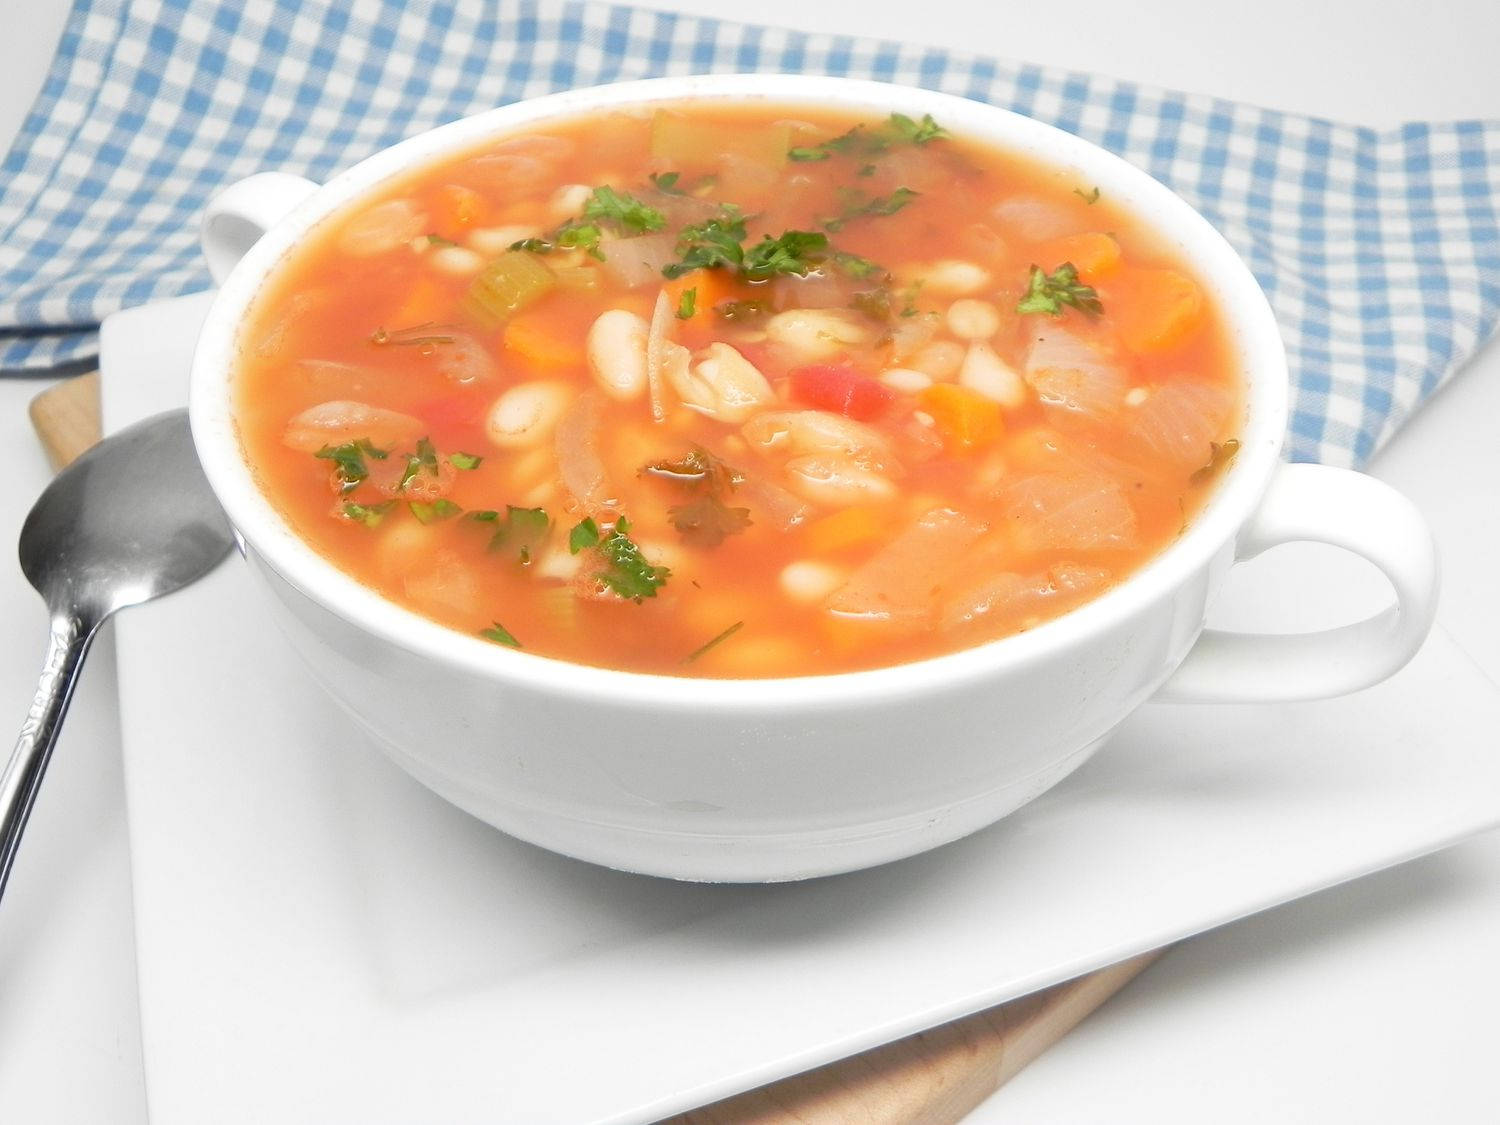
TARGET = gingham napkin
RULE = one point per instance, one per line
(1380, 251)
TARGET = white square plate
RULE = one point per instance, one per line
(321, 939)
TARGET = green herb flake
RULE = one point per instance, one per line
(368, 514)
(713, 243)
(520, 533)
(500, 635)
(584, 536)
(425, 458)
(1048, 293)
(439, 241)
(920, 132)
(858, 205)
(349, 467)
(867, 142)
(688, 304)
(1220, 454)
(465, 461)
(718, 640)
(705, 519)
(860, 269)
(627, 574)
(484, 515)
(795, 252)
(1089, 197)
(432, 511)
(666, 182)
(625, 212)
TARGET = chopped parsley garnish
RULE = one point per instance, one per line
(1089, 197)
(711, 243)
(431, 512)
(519, 533)
(795, 252)
(856, 267)
(720, 639)
(625, 212)
(1048, 293)
(688, 304)
(864, 141)
(349, 462)
(368, 514)
(1220, 454)
(666, 182)
(465, 460)
(627, 574)
(424, 458)
(500, 635)
(705, 520)
(439, 240)
(857, 205)
(605, 207)
(579, 236)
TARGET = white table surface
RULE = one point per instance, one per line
(1371, 1002)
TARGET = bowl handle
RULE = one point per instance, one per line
(1315, 503)
(242, 212)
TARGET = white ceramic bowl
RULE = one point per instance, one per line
(786, 779)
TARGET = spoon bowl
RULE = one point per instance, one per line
(130, 520)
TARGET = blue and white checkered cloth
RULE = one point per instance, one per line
(1380, 250)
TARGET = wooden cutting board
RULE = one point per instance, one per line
(932, 1078)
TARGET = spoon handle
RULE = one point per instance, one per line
(69, 643)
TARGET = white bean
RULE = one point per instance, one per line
(837, 481)
(819, 432)
(818, 333)
(940, 359)
(809, 582)
(726, 384)
(496, 240)
(971, 319)
(458, 261)
(1136, 395)
(905, 380)
(567, 202)
(617, 353)
(954, 278)
(526, 414)
(984, 371)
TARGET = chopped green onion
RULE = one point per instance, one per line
(465, 460)
(688, 305)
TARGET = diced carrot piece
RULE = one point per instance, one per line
(851, 527)
(1153, 310)
(542, 345)
(456, 208)
(1093, 254)
(965, 418)
(711, 287)
(425, 303)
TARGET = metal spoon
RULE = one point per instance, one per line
(130, 520)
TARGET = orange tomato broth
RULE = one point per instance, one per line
(972, 519)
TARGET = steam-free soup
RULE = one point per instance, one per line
(737, 393)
